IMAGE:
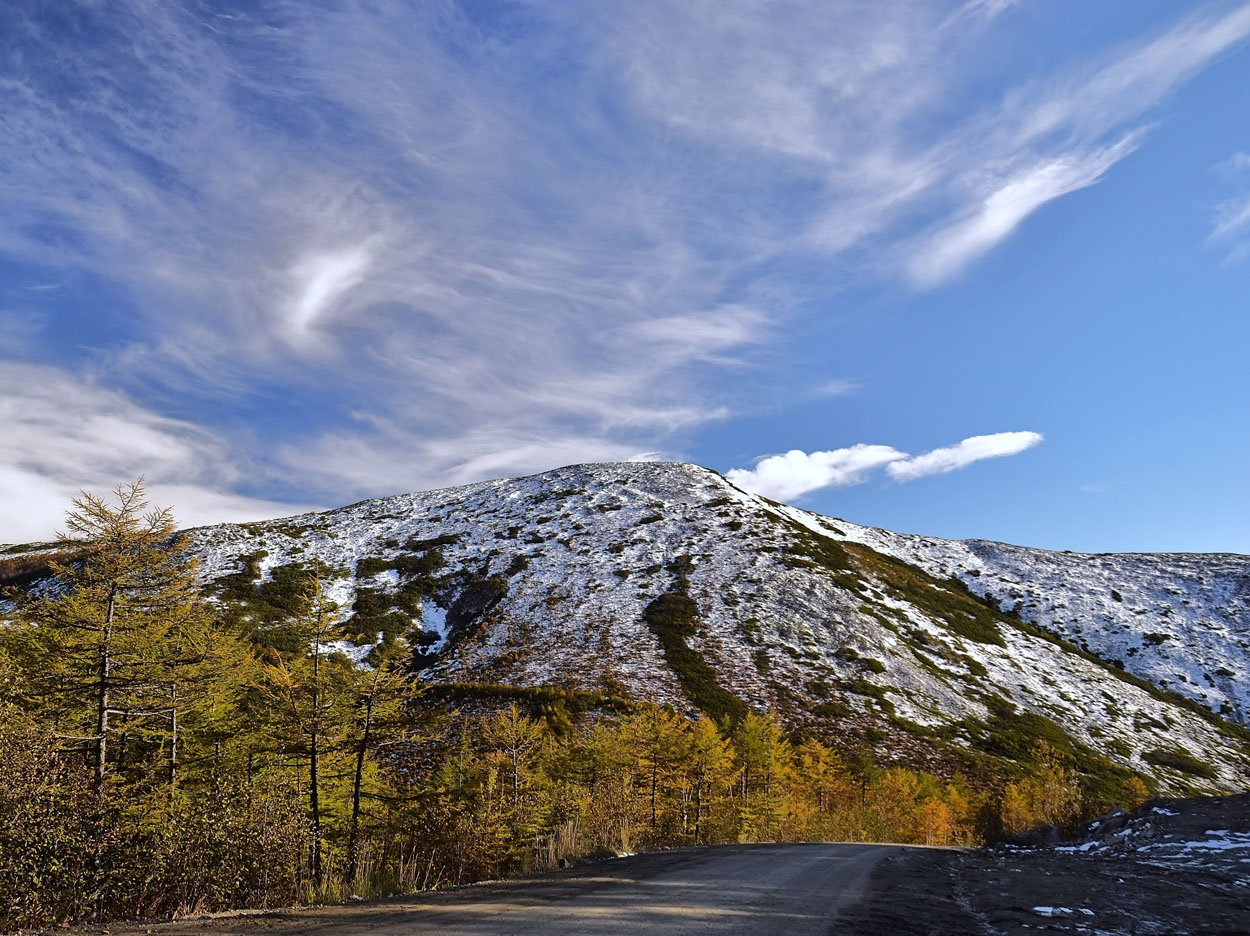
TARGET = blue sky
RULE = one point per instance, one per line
(964, 268)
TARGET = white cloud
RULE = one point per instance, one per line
(841, 386)
(1231, 225)
(321, 280)
(1057, 136)
(982, 9)
(701, 333)
(1237, 163)
(63, 435)
(788, 476)
(1006, 206)
(488, 249)
(784, 477)
(1231, 217)
(963, 454)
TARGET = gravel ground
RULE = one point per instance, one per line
(751, 890)
(1172, 868)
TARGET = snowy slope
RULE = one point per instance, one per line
(1180, 620)
(787, 620)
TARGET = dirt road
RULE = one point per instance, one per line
(757, 889)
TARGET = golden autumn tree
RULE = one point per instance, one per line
(120, 649)
(312, 696)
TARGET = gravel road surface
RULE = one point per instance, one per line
(755, 889)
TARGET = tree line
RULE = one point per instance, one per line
(160, 758)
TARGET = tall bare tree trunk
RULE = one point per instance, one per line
(314, 798)
(353, 839)
(102, 695)
(173, 741)
(314, 802)
(698, 808)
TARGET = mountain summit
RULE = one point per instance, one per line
(663, 581)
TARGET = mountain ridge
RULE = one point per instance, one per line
(663, 581)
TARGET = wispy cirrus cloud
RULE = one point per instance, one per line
(321, 281)
(1232, 217)
(465, 242)
(1055, 136)
(1231, 226)
(789, 476)
(948, 250)
(63, 435)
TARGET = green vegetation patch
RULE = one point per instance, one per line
(558, 705)
(946, 600)
(1014, 739)
(264, 610)
(1013, 734)
(863, 687)
(1175, 759)
(1230, 730)
(27, 547)
(849, 564)
(975, 667)
(674, 617)
(831, 710)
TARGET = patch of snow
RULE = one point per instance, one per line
(356, 653)
(1053, 911)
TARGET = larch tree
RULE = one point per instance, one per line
(313, 695)
(120, 629)
(515, 743)
(710, 764)
(660, 741)
(382, 719)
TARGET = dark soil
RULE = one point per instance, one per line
(1174, 867)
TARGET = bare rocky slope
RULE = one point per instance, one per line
(663, 581)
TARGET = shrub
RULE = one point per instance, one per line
(1175, 759)
(673, 617)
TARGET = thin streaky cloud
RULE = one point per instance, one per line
(476, 240)
(1237, 163)
(321, 280)
(1005, 207)
(1232, 217)
(52, 451)
(838, 387)
(963, 454)
(1230, 226)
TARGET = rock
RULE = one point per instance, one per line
(1112, 822)
(1046, 836)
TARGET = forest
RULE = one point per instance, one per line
(164, 755)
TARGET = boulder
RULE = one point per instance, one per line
(1046, 836)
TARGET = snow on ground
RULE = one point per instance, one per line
(596, 542)
(1180, 620)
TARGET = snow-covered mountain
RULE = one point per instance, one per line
(664, 581)
(1180, 620)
